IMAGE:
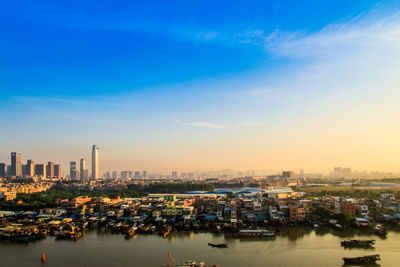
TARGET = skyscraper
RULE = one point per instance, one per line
(30, 168)
(57, 170)
(95, 162)
(125, 175)
(16, 165)
(137, 174)
(3, 170)
(50, 169)
(84, 171)
(40, 170)
(287, 174)
(72, 170)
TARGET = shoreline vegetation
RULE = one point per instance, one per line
(356, 191)
(46, 199)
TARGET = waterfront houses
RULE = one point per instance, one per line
(219, 210)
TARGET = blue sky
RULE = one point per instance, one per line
(163, 85)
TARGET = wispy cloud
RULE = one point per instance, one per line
(363, 32)
(202, 124)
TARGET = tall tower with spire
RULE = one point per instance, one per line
(95, 162)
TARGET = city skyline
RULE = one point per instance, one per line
(167, 133)
(82, 174)
(281, 86)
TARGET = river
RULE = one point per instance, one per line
(293, 247)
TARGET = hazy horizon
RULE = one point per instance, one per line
(180, 86)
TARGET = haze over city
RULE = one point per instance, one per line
(292, 86)
(171, 133)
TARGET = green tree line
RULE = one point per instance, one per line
(47, 199)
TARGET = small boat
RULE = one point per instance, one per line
(218, 245)
(131, 231)
(71, 235)
(189, 263)
(358, 243)
(380, 230)
(166, 232)
(194, 264)
(370, 259)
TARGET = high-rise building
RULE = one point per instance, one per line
(73, 171)
(287, 174)
(16, 165)
(23, 170)
(125, 175)
(144, 174)
(82, 165)
(84, 172)
(30, 168)
(75, 175)
(137, 174)
(40, 170)
(57, 170)
(174, 175)
(3, 170)
(50, 169)
(84, 175)
(95, 162)
(114, 174)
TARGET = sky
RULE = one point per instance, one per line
(202, 85)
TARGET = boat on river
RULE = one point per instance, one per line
(369, 259)
(358, 243)
(380, 230)
(131, 231)
(70, 233)
(165, 233)
(188, 263)
(218, 245)
(20, 233)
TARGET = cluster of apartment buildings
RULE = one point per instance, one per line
(30, 169)
(9, 191)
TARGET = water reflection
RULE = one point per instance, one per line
(294, 233)
(370, 249)
(360, 264)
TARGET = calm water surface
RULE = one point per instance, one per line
(294, 247)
